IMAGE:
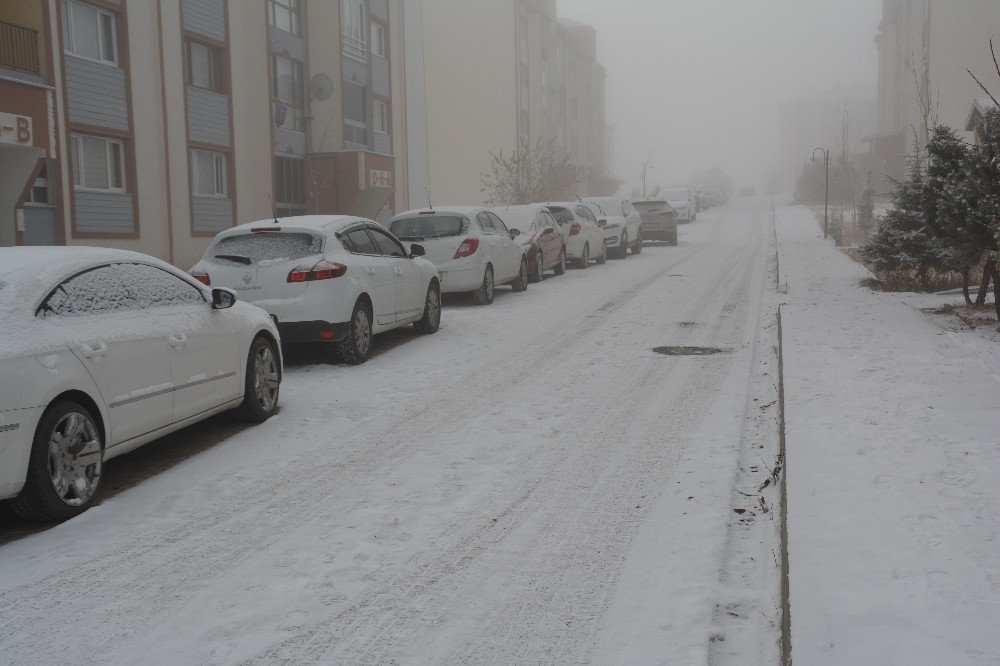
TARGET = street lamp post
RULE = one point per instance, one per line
(826, 194)
(646, 165)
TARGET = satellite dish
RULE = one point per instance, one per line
(320, 87)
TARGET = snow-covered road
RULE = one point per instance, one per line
(531, 484)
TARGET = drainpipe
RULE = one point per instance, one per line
(166, 135)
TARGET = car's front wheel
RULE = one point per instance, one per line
(623, 246)
(585, 259)
(262, 382)
(431, 320)
(520, 283)
(561, 266)
(603, 256)
(64, 470)
(539, 268)
(637, 248)
(484, 295)
(357, 346)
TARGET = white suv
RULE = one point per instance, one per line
(326, 278)
(621, 222)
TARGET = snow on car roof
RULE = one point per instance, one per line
(468, 211)
(299, 222)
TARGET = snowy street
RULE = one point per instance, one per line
(533, 483)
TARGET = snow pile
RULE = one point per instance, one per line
(892, 467)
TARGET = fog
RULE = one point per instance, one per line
(699, 82)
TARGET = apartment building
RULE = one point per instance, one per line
(924, 48)
(489, 77)
(154, 124)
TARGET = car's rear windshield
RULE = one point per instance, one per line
(650, 206)
(562, 215)
(254, 248)
(422, 227)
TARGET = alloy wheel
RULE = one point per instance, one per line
(265, 379)
(362, 332)
(75, 458)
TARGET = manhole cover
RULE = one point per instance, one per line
(687, 351)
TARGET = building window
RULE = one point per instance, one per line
(208, 173)
(380, 116)
(353, 30)
(378, 39)
(204, 66)
(289, 105)
(98, 163)
(285, 15)
(89, 32)
(355, 113)
(289, 186)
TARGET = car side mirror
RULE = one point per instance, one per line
(602, 223)
(514, 233)
(417, 250)
(548, 230)
(222, 298)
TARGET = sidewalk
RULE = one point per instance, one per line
(893, 446)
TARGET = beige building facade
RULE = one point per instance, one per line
(486, 77)
(155, 124)
(925, 47)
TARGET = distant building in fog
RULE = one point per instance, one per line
(487, 76)
(151, 126)
(806, 124)
(925, 47)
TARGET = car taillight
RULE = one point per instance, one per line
(324, 270)
(467, 248)
(575, 229)
(202, 277)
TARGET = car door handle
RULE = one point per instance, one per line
(370, 270)
(95, 350)
(397, 271)
(177, 340)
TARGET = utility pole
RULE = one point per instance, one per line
(646, 166)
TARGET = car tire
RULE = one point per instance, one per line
(431, 320)
(603, 257)
(520, 283)
(42, 499)
(673, 239)
(484, 295)
(262, 382)
(539, 267)
(356, 348)
(585, 259)
(560, 268)
(623, 246)
(637, 246)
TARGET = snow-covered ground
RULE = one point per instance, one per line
(893, 460)
(531, 484)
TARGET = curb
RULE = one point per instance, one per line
(786, 613)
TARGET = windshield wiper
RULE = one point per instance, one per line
(238, 258)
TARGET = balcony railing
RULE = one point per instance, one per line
(18, 48)
(354, 47)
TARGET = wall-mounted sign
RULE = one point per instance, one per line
(380, 178)
(15, 129)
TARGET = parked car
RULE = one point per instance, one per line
(748, 191)
(715, 196)
(659, 220)
(682, 200)
(471, 247)
(541, 237)
(326, 278)
(621, 224)
(584, 238)
(102, 351)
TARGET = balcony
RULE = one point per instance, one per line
(353, 47)
(19, 49)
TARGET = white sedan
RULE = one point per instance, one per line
(584, 237)
(471, 247)
(104, 350)
(326, 278)
(621, 222)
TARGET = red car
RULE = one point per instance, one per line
(541, 236)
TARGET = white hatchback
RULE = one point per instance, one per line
(622, 224)
(584, 237)
(104, 350)
(326, 278)
(471, 247)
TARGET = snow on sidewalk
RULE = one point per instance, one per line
(893, 453)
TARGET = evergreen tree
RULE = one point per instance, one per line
(902, 243)
(981, 189)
